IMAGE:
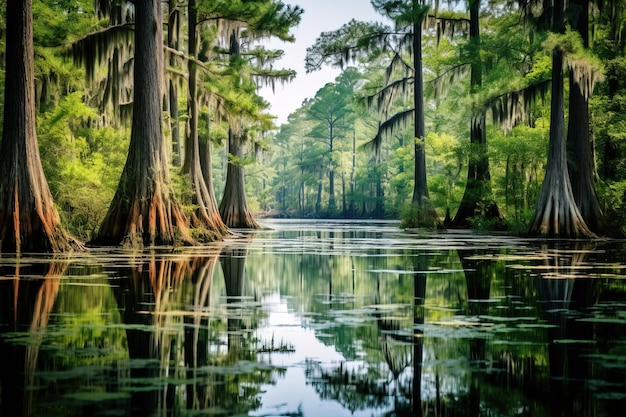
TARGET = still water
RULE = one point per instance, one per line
(313, 318)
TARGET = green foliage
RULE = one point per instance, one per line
(231, 75)
(403, 13)
(608, 110)
(541, 69)
(263, 17)
(82, 164)
(240, 162)
(55, 25)
(570, 42)
(517, 167)
(414, 217)
(584, 66)
(482, 223)
(82, 157)
(60, 21)
(182, 190)
(399, 172)
(445, 164)
(613, 198)
(410, 216)
(353, 41)
(82, 197)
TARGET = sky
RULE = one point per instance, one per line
(319, 16)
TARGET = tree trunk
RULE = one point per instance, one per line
(427, 216)
(206, 160)
(344, 201)
(206, 215)
(332, 206)
(143, 211)
(477, 198)
(301, 198)
(352, 176)
(379, 194)
(556, 214)
(216, 223)
(234, 206)
(173, 35)
(29, 221)
(581, 166)
(318, 201)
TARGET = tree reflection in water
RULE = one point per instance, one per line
(392, 387)
(479, 272)
(172, 324)
(25, 304)
(419, 329)
(542, 368)
(151, 295)
(565, 295)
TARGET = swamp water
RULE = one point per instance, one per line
(317, 318)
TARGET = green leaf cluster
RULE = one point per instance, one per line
(82, 164)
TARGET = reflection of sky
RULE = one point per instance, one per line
(287, 327)
(291, 391)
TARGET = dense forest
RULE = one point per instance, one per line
(141, 123)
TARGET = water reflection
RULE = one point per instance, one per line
(161, 301)
(26, 306)
(341, 319)
(566, 295)
(198, 351)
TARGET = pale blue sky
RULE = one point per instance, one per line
(319, 16)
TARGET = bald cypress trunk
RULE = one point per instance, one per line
(427, 216)
(29, 221)
(173, 35)
(582, 165)
(556, 214)
(332, 205)
(234, 205)
(143, 211)
(206, 215)
(206, 165)
(478, 197)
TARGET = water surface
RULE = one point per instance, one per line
(313, 318)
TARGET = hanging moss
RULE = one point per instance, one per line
(513, 107)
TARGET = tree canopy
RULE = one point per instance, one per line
(401, 133)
